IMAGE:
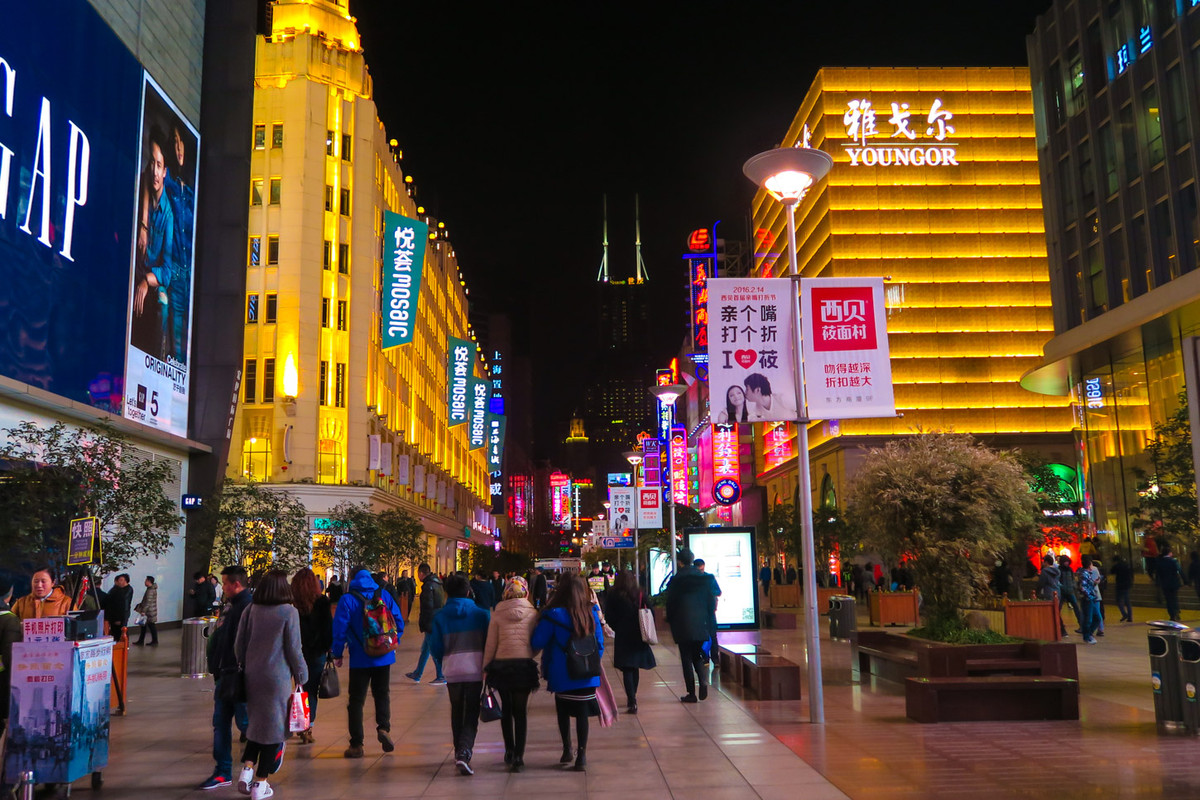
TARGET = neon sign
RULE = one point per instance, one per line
(698, 240)
(560, 500)
(517, 505)
(726, 466)
(869, 147)
(778, 445)
(679, 465)
(1094, 393)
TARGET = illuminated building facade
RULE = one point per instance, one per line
(935, 187)
(1115, 91)
(324, 410)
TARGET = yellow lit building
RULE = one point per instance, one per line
(935, 187)
(324, 411)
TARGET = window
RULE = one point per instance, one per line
(1097, 279)
(1108, 160)
(1087, 178)
(1056, 103)
(1066, 184)
(339, 386)
(329, 459)
(1152, 126)
(327, 255)
(256, 459)
(345, 147)
(328, 197)
(324, 312)
(341, 317)
(268, 380)
(252, 308)
(1187, 228)
(1141, 272)
(272, 250)
(323, 391)
(1164, 242)
(1119, 265)
(1076, 94)
(1075, 293)
(276, 190)
(256, 191)
(328, 143)
(255, 250)
(1129, 153)
(260, 137)
(345, 204)
(344, 258)
(276, 136)
(1177, 112)
(250, 381)
(272, 307)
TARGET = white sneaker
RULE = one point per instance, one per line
(261, 790)
(245, 778)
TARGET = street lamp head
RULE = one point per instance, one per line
(787, 172)
(633, 457)
(668, 393)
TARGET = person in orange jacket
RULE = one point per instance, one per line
(46, 600)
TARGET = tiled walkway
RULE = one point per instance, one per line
(725, 747)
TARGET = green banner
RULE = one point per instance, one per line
(479, 396)
(460, 359)
(404, 243)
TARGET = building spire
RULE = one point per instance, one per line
(602, 276)
(642, 277)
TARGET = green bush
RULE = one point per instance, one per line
(957, 632)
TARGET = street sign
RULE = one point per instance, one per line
(616, 542)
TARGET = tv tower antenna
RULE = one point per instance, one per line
(642, 277)
(602, 276)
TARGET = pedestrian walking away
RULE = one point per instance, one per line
(510, 668)
(360, 612)
(316, 638)
(433, 597)
(269, 653)
(567, 623)
(229, 706)
(689, 613)
(148, 608)
(1122, 574)
(1169, 579)
(1089, 591)
(456, 639)
(631, 654)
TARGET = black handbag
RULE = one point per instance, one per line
(231, 685)
(489, 705)
(329, 686)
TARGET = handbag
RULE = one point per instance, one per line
(489, 705)
(329, 686)
(646, 626)
(298, 711)
(231, 685)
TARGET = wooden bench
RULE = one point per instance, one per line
(770, 677)
(729, 657)
(892, 663)
(997, 697)
(780, 620)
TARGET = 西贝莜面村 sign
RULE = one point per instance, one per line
(847, 366)
(750, 350)
(404, 242)
(460, 362)
(650, 508)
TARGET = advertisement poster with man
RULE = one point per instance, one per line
(161, 268)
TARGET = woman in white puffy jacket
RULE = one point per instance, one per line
(509, 666)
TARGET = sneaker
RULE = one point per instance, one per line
(245, 778)
(1089, 640)
(261, 790)
(438, 682)
(216, 782)
(353, 751)
(386, 741)
(689, 698)
(412, 676)
(464, 767)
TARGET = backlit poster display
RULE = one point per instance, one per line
(729, 557)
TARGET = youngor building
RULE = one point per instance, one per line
(1115, 95)
(934, 187)
(325, 413)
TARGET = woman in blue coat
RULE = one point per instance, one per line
(568, 615)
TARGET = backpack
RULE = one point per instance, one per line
(379, 634)
(583, 656)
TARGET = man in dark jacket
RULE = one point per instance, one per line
(222, 663)
(482, 590)
(1169, 578)
(1122, 575)
(540, 588)
(203, 595)
(689, 613)
(406, 587)
(117, 604)
(433, 597)
(497, 587)
(365, 670)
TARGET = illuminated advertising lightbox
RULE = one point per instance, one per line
(679, 465)
(620, 479)
(560, 500)
(729, 557)
(460, 359)
(651, 462)
(97, 209)
(660, 569)
(726, 471)
(518, 510)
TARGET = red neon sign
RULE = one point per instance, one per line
(699, 240)
(679, 465)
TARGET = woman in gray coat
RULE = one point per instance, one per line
(148, 608)
(268, 650)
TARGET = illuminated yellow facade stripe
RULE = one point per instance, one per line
(962, 244)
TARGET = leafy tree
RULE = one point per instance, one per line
(782, 534)
(947, 502)
(1167, 498)
(58, 473)
(384, 541)
(403, 543)
(257, 528)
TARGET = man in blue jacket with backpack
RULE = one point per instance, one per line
(369, 622)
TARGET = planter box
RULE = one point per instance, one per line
(823, 595)
(894, 608)
(1033, 619)
(785, 596)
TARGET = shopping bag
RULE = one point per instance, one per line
(489, 705)
(329, 686)
(647, 626)
(298, 712)
(607, 701)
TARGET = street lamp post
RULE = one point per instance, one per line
(786, 173)
(667, 394)
(634, 458)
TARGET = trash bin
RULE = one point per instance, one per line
(843, 622)
(1165, 673)
(1189, 679)
(194, 663)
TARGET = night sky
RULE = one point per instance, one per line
(516, 118)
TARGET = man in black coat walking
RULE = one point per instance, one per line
(690, 598)
(117, 604)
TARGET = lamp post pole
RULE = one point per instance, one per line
(786, 173)
(668, 394)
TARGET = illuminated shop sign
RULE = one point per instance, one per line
(1093, 393)
(895, 142)
(679, 465)
(560, 500)
(518, 510)
(726, 467)
(651, 463)
(777, 445)
(403, 263)
(700, 270)
(478, 412)
(460, 357)
(620, 478)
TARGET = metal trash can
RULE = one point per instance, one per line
(843, 622)
(1189, 679)
(194, 663)
(1165, 673)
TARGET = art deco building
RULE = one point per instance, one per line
(935, 187)
(325, 412)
